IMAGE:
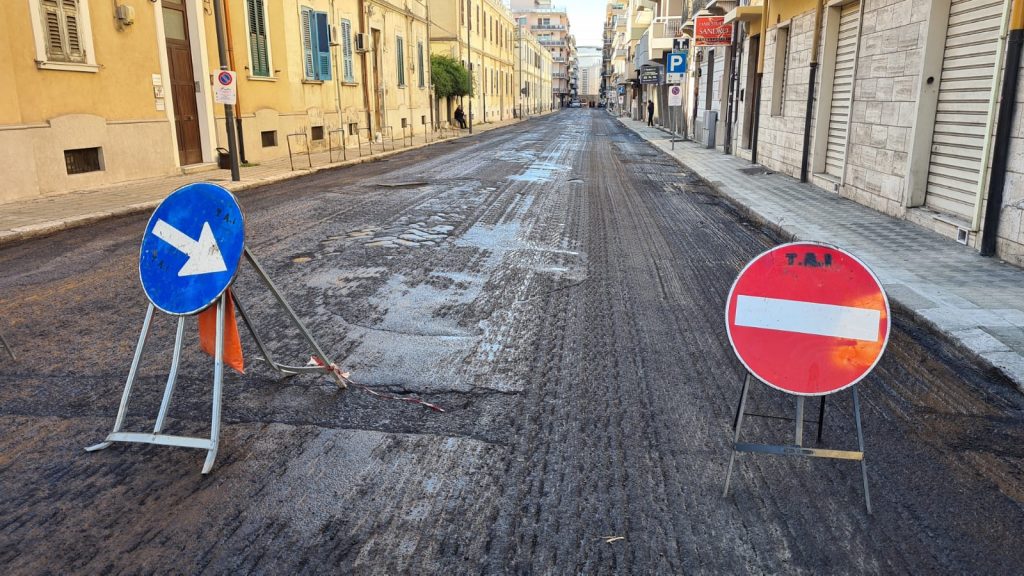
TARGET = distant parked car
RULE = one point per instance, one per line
(575, 104)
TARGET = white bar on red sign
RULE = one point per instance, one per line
(808, 318)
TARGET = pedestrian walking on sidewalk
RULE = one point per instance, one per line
(460, 116)
(650, 112)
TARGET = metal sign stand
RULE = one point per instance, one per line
(797, 448)
(7, 347)
(208, 444)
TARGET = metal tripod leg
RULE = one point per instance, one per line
(743, 392)
(259, 341)
(123, 409)
(736, 437)
(7, 347)
(171, 377)
(821, 417)
(799, 421)
(860, 444)
(218, 380)
(295, 319)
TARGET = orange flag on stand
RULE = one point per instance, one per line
(232, 343)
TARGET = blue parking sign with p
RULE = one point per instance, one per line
(677, 62)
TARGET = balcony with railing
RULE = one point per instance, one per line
(552, 42)
(547, 27)
(662, 32)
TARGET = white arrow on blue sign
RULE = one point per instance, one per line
(191, 249)
(677, 63)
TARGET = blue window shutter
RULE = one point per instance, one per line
(308, 36)
(323, 36)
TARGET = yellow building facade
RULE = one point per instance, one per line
(481, 35)
(79, 97)
(358, 67)
(97, 92)
(534, 71)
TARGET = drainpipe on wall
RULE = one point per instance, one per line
(1004, 129)
(815, 42)
(734, 81)
(762, 43)
(363, 27)
(238, 100)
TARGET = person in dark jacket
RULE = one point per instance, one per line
(460, 116)
(650, 112)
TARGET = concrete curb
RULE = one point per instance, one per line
(42, 229)
(777, 229)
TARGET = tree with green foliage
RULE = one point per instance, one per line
(451, 79)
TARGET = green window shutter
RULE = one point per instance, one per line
(420, 67)
(258, 38)
(346, 49)
(323, 47)
(400, 50)
(308, 63)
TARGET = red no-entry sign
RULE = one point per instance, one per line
(807, 318)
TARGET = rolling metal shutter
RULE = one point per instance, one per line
(965, 92)
(842, 90)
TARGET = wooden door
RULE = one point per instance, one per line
(183, 86)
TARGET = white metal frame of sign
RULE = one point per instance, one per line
(804, 318)
(178, 241)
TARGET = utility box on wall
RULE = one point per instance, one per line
(710, 128)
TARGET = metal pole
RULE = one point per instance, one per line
(469, 59)
(736, 437)
(171, 377)
(860, 443)
(799, 420)
(123, 408)
(218, 382)
(7, 347)
(229, 112)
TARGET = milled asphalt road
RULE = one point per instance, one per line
(558, 288)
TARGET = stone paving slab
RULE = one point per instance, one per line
(23, 220)
(977, 302)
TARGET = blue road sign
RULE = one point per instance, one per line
(191, 249)
(677, 62)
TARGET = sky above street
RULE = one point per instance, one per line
(587, 20)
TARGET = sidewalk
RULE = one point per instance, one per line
(27, 219)
(978, 302)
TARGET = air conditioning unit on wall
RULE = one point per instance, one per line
(362, 43)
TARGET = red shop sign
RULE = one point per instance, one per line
(712, 31)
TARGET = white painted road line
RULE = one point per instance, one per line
(808, 318)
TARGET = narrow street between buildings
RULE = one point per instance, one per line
(558, 287)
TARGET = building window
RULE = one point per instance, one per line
(421, 67)
(82, 160)
(400, 57)
(405, 123)
(316, 133)
(268, 138)
(63, 38)
(353, 129)
(259, 57)
(316, 45)
(346, 51)
(779, 73)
